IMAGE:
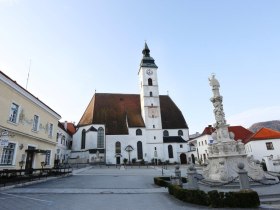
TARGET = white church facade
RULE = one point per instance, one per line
(141, 127)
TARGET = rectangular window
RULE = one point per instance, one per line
(50, 130)
(48, 157)
(14, 113)
(7, 155)
(269, 146)
(181, 145)
(35, 123)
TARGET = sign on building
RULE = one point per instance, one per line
(4, 138)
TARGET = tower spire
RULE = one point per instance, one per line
(147, 60)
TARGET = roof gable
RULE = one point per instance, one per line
(239, 132)
(265, 133)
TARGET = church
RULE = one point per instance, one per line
(119, 128)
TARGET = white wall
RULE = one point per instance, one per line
(259, 150)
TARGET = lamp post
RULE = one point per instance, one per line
(21, 163)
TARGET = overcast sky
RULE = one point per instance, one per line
(78, 46)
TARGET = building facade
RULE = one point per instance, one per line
(27, 128)
(264, 143)
(199, 145)
(141, 127)
(64, 142)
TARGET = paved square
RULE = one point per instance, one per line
(96, 188)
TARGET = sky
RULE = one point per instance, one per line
(76, 47)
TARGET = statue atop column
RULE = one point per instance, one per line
(225, 152)
(217, 100)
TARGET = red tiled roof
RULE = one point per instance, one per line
(120, 111)
(70, 128)
(239, 132)
(265, 133)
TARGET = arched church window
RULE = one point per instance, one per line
(100, 138)
(151, 94)
(118, 147)
(83, 142)
(165, 133)
(138, 132)
(139, 150)
(180, 133)
(150, 82)
(170, 151)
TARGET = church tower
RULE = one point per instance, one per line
(150, 104)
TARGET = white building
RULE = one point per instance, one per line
(264, 143)
(64, 141)
(145, 127)
(199, 146)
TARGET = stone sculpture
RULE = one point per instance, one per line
(225, 152)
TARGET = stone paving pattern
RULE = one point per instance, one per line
(98, 188)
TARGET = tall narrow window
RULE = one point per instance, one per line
(83, 143)
(14, 113)
(50, 130)
(139, 150)
(48, 157)
(138, 132)
(165, 133)
(170, 151)
(35, 123)
(7, 155)
(151, 94)
(180, 133)
(118, 147)
(150, 82)
(100, 138)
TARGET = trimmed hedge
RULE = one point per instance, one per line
(214, 199)
(164, 181)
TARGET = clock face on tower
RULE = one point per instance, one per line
(149, 71)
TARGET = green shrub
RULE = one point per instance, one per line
(215, 199)
(243, 199)
(172, 188)
(162, 181)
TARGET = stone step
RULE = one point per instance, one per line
(270, 200)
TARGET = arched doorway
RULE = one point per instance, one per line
(183, 158)
(193, 159)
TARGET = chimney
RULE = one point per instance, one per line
(65, 125)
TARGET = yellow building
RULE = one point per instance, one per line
(28, 128)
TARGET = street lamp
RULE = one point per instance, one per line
(21, 163)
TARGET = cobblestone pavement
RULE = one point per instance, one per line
(96, 188)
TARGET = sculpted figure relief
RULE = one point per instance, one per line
(215, 85)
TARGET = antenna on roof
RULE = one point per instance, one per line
(28, 74)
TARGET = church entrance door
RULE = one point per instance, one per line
(183, 158)
(118, 160)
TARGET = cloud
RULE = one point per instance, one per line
(260, 114)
